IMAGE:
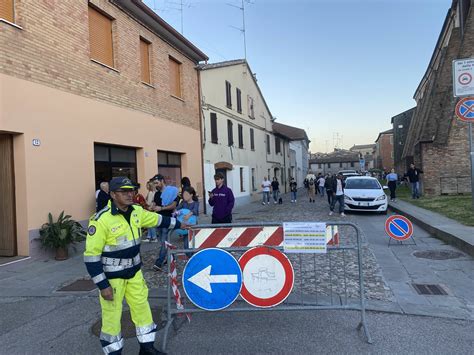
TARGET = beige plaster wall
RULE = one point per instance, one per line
(59, 174)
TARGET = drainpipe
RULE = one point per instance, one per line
(201, 133)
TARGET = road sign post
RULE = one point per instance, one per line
(463, 85)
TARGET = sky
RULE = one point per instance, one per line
(340, 69)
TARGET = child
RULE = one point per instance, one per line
(188, 212)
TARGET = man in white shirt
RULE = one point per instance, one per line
(266, 190)
(338, 195)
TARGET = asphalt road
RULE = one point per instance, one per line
(36, 320)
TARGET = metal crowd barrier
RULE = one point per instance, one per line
(330, 281)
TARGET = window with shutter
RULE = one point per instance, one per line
(277, 145)
(239, 100)
(100, 37)
(250, 107)
(213, 127)
(241, 136)
(230, 133)
(268, 145)
(228, 94)
(175, 77)
(252, 139)
(6, 10)
(145, 61)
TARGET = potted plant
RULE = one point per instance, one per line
(58, 235)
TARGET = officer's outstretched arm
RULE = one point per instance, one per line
(92, 256)
(168, 222)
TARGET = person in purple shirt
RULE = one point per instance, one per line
(222, 201)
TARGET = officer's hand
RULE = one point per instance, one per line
(107, 294)
(185, 226)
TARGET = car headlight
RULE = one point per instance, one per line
(383, 197)
(347, 197)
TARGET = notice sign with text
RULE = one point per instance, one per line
(304, 237)
(463, 74)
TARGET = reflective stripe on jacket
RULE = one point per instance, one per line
(113, 245)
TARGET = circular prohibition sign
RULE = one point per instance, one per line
(398, 227)
(267, 276)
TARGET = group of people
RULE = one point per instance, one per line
(412, 176)
(273, 188)
(330, 185)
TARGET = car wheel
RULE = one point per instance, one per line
(384, 212)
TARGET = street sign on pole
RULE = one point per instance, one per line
(267, 275)
(463, 85)
(463, 75)
(465, 109)
(212, 279)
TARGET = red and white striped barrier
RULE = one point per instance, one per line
(246, 237)
(173, 275)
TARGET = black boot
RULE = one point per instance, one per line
(149, 351)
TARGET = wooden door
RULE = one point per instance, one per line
(7, 200)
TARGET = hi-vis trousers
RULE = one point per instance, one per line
(135, 292)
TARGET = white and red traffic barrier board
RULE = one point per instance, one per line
(267, 276)
(398, 227)
(246, 237)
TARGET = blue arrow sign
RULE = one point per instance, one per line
(212, 279)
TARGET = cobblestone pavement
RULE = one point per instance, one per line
(324, 278)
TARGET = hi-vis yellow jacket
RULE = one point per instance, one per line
(113, 244)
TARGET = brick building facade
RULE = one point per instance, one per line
(437, 142)
(383, 156)
(401, 124)
(90, 90)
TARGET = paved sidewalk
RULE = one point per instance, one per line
(444, 228)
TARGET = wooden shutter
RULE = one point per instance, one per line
(239, 100)
(241, 136)
(175, 77)
(213, 127)
(6, 10)
(145, 61)
(252, 142)
(230, 133)
(228, 94)
(100, 37)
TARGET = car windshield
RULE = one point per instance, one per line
(364, 184)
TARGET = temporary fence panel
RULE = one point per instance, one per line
(330, 281)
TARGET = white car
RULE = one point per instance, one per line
(364, 193)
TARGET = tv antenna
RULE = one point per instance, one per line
(242, 29)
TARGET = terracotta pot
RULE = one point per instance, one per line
(61, 253)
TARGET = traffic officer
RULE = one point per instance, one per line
(112, 258)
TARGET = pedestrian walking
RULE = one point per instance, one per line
(112, 258)
(328, 186)
(311, 180)
(266, 185)
(166, 199)
(392, 179)
(413, 175)
(275, 190)
(338, 185)
(293, 190)
(103, 196)
(321, 182)
(222, 201)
